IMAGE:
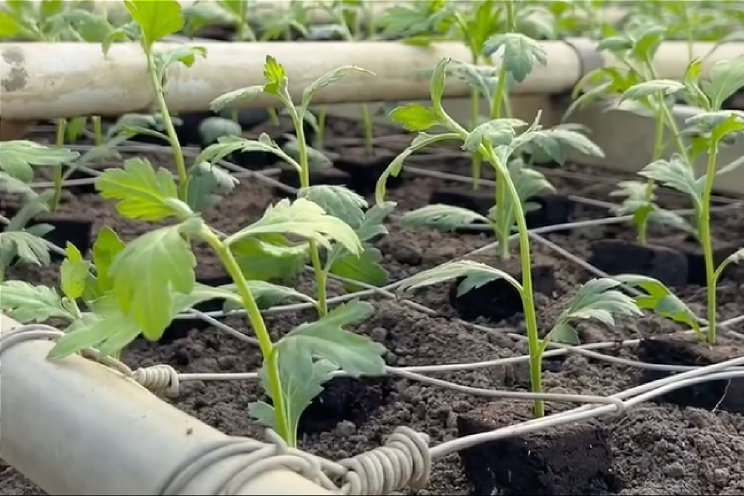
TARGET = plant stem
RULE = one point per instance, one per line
(273, 116)
(320, 137)
(528, 300)
(59, 141)
(705, 238)
(97, 131)
(256, 320)
(369, 129)
(320, 275)
(656, 155)
(183, 177)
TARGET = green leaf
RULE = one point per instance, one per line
(27, 303)
(647, 42)
(26, 246)
(520, 53)
(327, 339)
(660, 299)
(564, 333)
(443, 217)
(274, 75)
(735, 258)
(615, 44)
(316, 159)
(475, 275)
(337, 201)
(674, 173)
(73, 272)
(555, 142)
(331, 77)
(208, 184)
(105, 249)
(142, 192)
(483, 79)
(726, 78)
(147, 272)
(436, 85)
(270, 257)
(231, 97)
(213, 128)
(415, 117)
(74, 129)
(373, 224)
(123, 33)
(186, 55)
(10, 184)
(156, 19)
(654, 87)
(302, 218)
(265, 293)
(17, 158)
(365, 268)
(691, 81)
(496, 132)
(9, 26)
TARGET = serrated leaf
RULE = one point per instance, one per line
(519, 53)
(415, 117)
(327, 339)
(27, 303)
(275, 76)
(26, 246)
(265, 293)
(373, 224)
(208, 184)
(337, 201)
(105, 249)
(73, 272)
(726, 78)
(654, 87)
(302, 218)
(141, 192)
(555, 142)
(270, 258)
(331, 77)
(441, 216)
(156, 19)
(239, 95)
(185, 55)
(10, 184)
(482, 79)
(659, 299)
(475, 275)
(674, 173)
(496, 133)
(564, 333)
(365, 268)
(147, 272)
(17, 158)
(421, 141)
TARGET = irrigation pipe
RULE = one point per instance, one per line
(52, 80)
(97, 411)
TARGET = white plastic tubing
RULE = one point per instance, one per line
(77, 427)
(42, 81)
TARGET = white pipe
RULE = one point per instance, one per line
(77, 427)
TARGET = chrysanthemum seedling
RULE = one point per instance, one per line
(337, 200)
(711, 129)
(138, 288)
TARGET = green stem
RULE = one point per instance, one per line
(320, 137)
(503, 232)
(656, 155)
(183, 177)
(273, 116)
(97, 131)
(59, 141)
(705, 238)
(273, 379)
(320, 275)
(475, 164)
(369, 129)
(528, 300)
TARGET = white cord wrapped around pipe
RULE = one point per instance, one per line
(78, 427)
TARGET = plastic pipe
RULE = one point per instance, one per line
(42, 81)
(78, 427)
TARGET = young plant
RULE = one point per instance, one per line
(497, 141)
(137, 288)
(222, 12)
(634, 86)
(713, 128)
(346, 202)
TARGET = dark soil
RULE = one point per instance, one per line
(656, 448)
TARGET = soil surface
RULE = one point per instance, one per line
(655, 448)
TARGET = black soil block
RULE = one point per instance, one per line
(692, 249)
(570, 459)
(498, 300)
(364, 169)
(725, 395)
(616, 256)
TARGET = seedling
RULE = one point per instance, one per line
(339, 201)
(636, 51)
(713, 128)
(222, 12)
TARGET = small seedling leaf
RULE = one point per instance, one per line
(142, 193)
(441, 216)
(270, 257)
(156, 19)
(726, 78)
(208, 184)
(147, 272)
(482, 79)
(520, 53)
(327, 339)
(373, 224)
(365, 268)
(475, 275)
(674, 173)
(105, 249)
(27, 303)
(186, 55)
(555, 142)
(659, 299)
(17, 158)
(275, 76)
(212, 129)
(231, 97)
(337, 201)
(327, 79)
(415, 117)
(302, 218)
(74, 273)
(599, 299)
(436, 85)
(648, 88)
(497, 133)
(28, 247)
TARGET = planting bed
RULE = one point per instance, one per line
(654, 448)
